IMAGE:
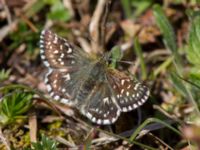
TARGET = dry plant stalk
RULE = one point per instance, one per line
(97, 26)
(33, 127)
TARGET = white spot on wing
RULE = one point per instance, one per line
(106, 121)
(137, 94)
(69, 50)
(122, 91)
(124, 109)
(46, 63)
(49, 88)
(41, 51)
(43, 32)
(99, 121)
(42, 57)
(89, 115)
(135, 106)
(122, 82)
(129, 108)
(63, 90)
(62, 55)
(93, 119)
(127, 93)
(136, 86)
(139, 103)
(51, 94)
(106, 100)
(61, 46)
(56, 52)
(55, 41)
(67, 77)
(64, 100)
(72, 62)
(56, 97)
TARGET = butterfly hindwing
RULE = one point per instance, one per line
(101, 108)
(129, 93)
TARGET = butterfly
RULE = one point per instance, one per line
(87, 82)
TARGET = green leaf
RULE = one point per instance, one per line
(58, 12)
(195, 75)
(50, 2)
(134, 8)
(35, 8)
(149, 120)
(4, 74)
(138, 51)
(193, 51)
(116, 54)
(140, 6)
(177, 82)
(166, 28)
(127, 8)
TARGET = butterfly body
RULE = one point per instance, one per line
(86, 81)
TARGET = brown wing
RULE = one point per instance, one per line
(129, 93)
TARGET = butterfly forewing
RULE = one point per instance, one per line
(65, 65)
(58, 53)
(128, 93)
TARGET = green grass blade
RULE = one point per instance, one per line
(138, 52)
(163, 66)
(149, 120)
(126, 4)
(166, 28)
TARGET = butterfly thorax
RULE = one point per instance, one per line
(95, 75)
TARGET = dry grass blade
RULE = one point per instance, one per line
(33, 127)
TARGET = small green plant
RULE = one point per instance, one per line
(45, 144)
(13, 105)
(4, 74)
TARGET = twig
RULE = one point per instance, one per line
(83, 42)
(7, 12)
(161, 141)
(7, 28)
(28, 22)
(69, 6)
(65, 142)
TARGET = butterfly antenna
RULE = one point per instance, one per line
(122, 61)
